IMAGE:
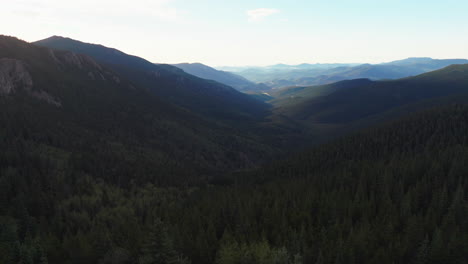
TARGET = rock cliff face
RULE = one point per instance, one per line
(68, 58)
(48, 74)
(13, 76)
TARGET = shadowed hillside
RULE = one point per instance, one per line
(353, 100)
(205, 97)
(70, 104)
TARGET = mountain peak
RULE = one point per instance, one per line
(56, 37)
(11, 40)
(412, 60)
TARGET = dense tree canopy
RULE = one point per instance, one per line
(393, 194)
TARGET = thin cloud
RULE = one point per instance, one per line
(260, 14)
(159, 9)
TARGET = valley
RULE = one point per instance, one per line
(109, 158)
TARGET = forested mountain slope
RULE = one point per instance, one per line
(208, 98)
(392, 194)
(354, 100)
(69, 104)
(290, 96)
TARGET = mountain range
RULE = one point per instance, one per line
(108, 158)
(202, 96)
(347, 101)
(60, 93)
(318, 74)
(352, 104)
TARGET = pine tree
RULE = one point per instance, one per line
(158, 248)
(423, 251)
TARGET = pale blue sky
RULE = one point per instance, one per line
(249, 32)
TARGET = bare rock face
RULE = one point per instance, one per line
(69, 58)
(95, 72)
(41, 95)
(13, 76)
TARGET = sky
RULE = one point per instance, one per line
(250, 32)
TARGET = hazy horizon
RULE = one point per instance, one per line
(251, 33)
(269, 65)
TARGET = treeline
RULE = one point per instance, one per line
(392, 194)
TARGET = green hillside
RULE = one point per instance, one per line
(392, 194)
(353, 102)
(293, 95)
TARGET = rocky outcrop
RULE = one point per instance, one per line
(68, 58)
(42, 95)
(13, 76)
(79, 60)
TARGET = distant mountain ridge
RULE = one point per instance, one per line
(286, 66)
(278, 76)
(427, 61)
(236, 81)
